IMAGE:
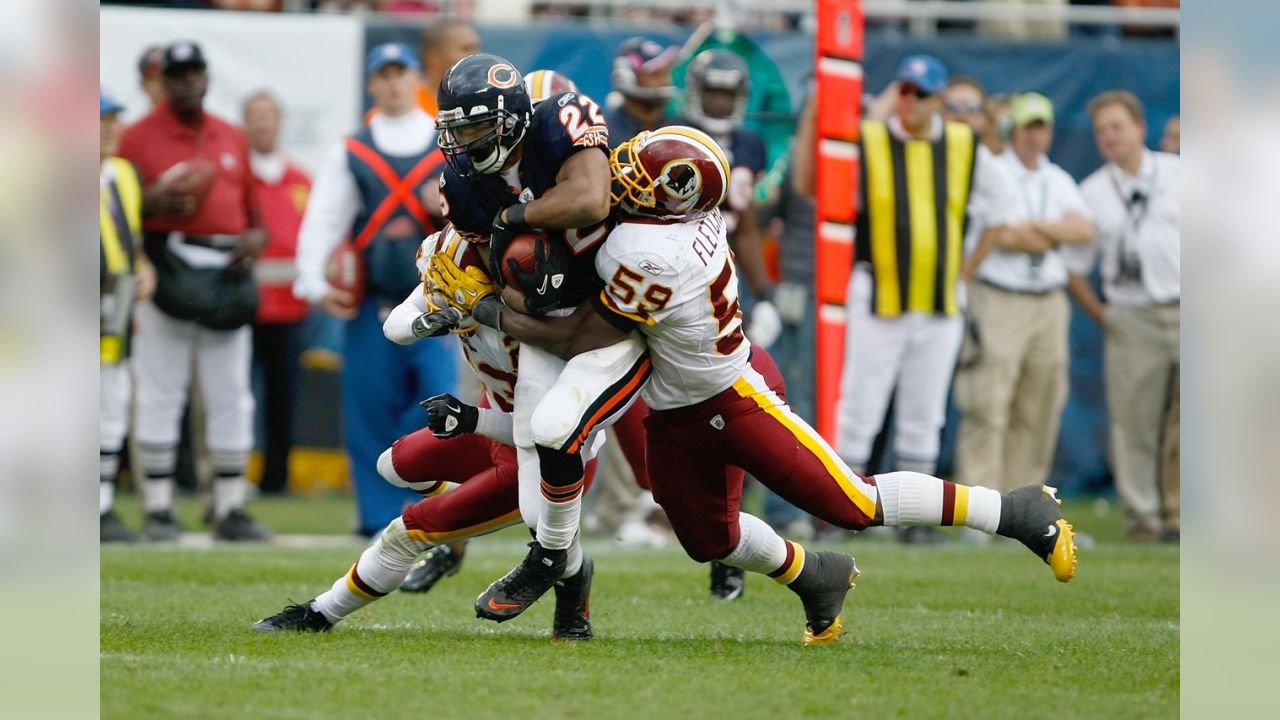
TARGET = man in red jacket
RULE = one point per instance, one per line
(276, 332)
(202, 245)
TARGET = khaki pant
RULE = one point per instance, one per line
(1142, 370)
(618, 499)
(1012, 390)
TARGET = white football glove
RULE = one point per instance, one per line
(765, 325)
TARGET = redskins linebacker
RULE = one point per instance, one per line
(463, 463)
(717, 404)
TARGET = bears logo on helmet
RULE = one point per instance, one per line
(674, 173)
(484, 114)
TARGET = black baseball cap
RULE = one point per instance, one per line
(182, 55)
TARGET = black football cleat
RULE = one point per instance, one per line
(161, 526)
(294, 618)
(440, 562)
(573, 604)
(1031, 516)
(111, 529)
(822, 585)
(727, 582)
(238, 526)
(514, 592)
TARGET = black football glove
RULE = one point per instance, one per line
(435, 324)
(449, 417)
(500, 236)
(541, 287)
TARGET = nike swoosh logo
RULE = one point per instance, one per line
(495, 605)
(453, 409)
(1053, 530)
(542, 290)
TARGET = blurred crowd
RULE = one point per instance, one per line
(971, 246)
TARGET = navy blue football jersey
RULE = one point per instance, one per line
(560, 126)
(623, 126)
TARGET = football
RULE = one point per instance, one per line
(522, 249)
(345, 269)
(194, 177)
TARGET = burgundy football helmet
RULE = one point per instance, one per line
(673, 173)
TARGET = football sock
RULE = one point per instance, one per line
(229, 486)
(380, 569)
(108, 470)
(573, 561)
(912, 498)
(760, 549)
(158, 464)
(562, 481)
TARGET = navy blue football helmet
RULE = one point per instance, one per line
(727, 73)
(484, 114)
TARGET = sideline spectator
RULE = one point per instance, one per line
(642, 89)
(151, 74)
(124, 276)
(1135, 203)
(444, 42)
(904, 328)
(394, 155)
(202, 250)
(1012, 389)
(277, 341)
(964, 102)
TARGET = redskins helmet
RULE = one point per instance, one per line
(672, 173)
(542, 84)
(463, 253)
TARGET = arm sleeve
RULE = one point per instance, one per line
(1080, 259)
(252, 188)
(496, 425)
(398, 326)
(1072, 199)
(331, 210)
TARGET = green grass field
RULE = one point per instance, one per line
(956, 631)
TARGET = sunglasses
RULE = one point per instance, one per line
(971, 108)
(914, 90)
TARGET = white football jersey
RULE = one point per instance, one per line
(679, 283)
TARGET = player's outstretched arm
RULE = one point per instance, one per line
(563, 337)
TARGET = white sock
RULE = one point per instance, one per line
(380, 569)
(912, 498)
(573, 562)
(158, 465)
(106, 496)
(228, 494)
(558, 524)
(760, 549)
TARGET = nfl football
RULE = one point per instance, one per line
(194, 177)
(345, 269)
(522, 250)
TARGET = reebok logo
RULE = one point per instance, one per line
(717, 422)
(1053, 530)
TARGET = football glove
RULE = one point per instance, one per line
(542, 286)
(463, 288)
(765, 325)
(501, 234)
(435, 324)
(449, 417)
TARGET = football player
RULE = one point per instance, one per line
(463, 463)
(717, 88)
(669, 273)
(512, 168)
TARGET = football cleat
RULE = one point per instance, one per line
(1031, 515)
(440, 562)
(295, 618)
(573, 604)
(161, 526)
(237, 526)
(111, 529)
(514, 592)
(822, 585)
(727, 582)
